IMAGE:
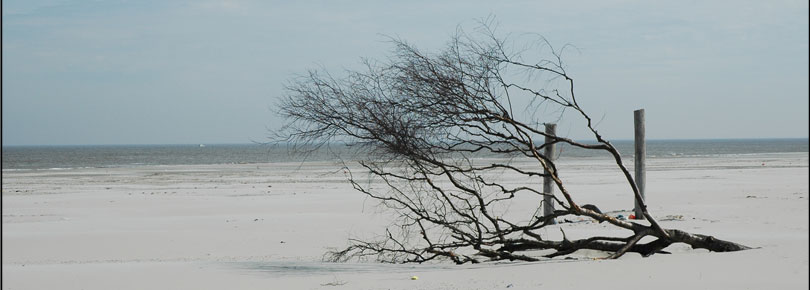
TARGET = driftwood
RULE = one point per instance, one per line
(425, 118)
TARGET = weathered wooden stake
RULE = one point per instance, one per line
(548, 183)
(640, 158)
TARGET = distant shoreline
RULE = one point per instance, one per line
(110, 156)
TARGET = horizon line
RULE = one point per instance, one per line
(266, 143)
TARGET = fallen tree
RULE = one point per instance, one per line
(423, 119)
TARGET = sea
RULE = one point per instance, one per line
(108, 156)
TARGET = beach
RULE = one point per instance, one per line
(267, 226)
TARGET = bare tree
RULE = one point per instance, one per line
(425, 120)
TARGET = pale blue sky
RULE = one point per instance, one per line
(167, 72)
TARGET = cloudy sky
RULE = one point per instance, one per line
(188, 72)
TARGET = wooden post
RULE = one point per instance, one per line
(548, 182)
(640, 158)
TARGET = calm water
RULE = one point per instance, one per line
(55, 157)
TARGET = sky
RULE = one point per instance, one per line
(189, 72)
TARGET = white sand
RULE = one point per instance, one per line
(266, 226)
